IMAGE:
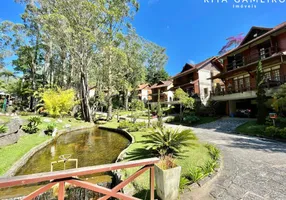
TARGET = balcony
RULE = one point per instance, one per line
(241, 61)
(247, 92)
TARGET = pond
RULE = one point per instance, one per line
(91, 147)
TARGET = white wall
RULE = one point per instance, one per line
(144, 94)
(204, 82)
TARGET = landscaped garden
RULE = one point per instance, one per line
(272, 126)
(179, 147)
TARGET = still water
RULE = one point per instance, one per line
(90, 147)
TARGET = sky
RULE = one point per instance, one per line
(190, 30)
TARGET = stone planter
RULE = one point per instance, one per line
(167, 182)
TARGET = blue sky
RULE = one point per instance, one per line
(191, 30)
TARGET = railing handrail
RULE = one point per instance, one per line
(47, 176)
(253, 57)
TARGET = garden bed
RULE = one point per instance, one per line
(265, 131)
(196, 155)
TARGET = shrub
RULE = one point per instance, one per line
(137, 104)
(196, 174)
(51, 127)
(209, 167)
(213, 151)
(124, 124)
(32, 126)
(24, 113)
(132, 127)
(168, 141)
(282, 133)
(3, 129)
(184, 182)
(271, 131)
(58, 102)
(191, 118)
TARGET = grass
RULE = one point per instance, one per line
(196, 155)
(12, 153)
(203, 120)
(251, 128)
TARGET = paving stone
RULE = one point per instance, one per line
(253, 168)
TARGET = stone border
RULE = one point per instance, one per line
(24, 159)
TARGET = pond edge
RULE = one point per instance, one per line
(24, 159)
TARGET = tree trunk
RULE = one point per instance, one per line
(126, 100)
(109, 88)
(85, 109)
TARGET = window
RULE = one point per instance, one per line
(262, 53)
(234, 64)
(206, 92)
(247, 82)
(276, 75)
(235, 85)
(241, 83)
(267, 76)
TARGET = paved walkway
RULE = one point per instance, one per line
(253, 168)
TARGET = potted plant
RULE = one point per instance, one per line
(167, 176)
(166, 143)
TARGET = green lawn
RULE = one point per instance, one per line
(197, 155)
(203, 120)
(12, 153)
(251, 128)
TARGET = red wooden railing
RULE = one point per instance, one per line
(70, 176)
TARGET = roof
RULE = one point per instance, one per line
(193, 67)
(276, 28)
(162, 84)
(142, 86)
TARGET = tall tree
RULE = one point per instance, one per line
(156, 62)
(261, 97)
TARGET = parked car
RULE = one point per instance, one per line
(243, 113)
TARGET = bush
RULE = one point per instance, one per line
(3, 129)
(137, 104)
(58, 102)
(191, 119)
(184, 182)
(196, 174)
(213, 151)
(279, 122)
(32, 126)
(168, 141)
(271, 131)
(24, 113)
(209, 167)
(124, 124)
(51, 127)
(282, 133)
(132, 127)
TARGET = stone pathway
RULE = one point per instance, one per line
(253, 168)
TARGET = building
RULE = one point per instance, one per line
(267, 45)
(195, 79)
(144, 92)
(164, 87)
